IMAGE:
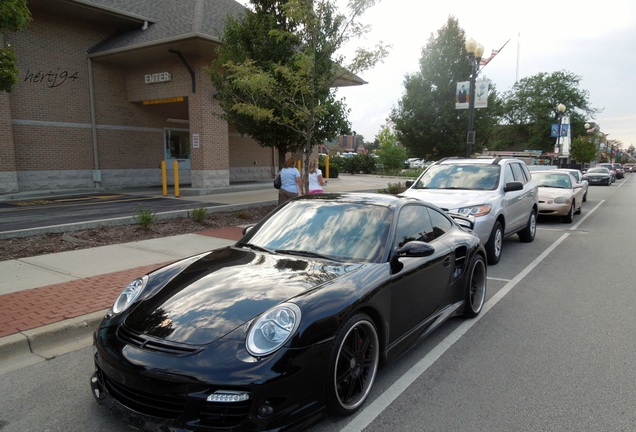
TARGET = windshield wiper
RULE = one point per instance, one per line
(304, 253)
(258, 248)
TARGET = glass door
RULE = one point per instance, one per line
(176, 143)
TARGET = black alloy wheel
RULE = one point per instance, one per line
(354, 363)
(475, 291)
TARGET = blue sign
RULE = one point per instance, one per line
(555, 130)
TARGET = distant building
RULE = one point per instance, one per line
(343, 144)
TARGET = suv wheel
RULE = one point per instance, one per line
(494, 245)
(527, 234)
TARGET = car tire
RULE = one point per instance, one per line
(353, 365)
(570, 217)
(609, 182)
(585, 197)
(475, 291)
(527, 234)
(495, 244)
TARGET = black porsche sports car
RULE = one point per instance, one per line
(292, 321)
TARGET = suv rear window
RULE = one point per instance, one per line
(461, 176)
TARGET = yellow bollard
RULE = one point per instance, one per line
(299, 170)
(164, 178)
(327, 166)
(176, 179)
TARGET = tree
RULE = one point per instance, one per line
(426, 120)
(530, 107)
(14, 16)
(391, 155)
(584, 150)
(294, 90)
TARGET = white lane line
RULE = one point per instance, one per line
(586, 216)
(371, 411)
(498, 279)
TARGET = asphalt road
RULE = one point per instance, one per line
(37, 213)
(552, 351)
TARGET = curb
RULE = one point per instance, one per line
(44, 343)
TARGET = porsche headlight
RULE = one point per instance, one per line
(129, 294)
(559, 200)
(476, 211)
(273, 329)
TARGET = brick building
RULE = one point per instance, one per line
(108, 89)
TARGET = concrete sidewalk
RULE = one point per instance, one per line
(51, 304)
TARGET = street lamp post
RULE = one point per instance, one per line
(475, 52)
(561, 109)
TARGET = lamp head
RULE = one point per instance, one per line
(479, 50)
(561, 107)
(471, 45)
(587, 125)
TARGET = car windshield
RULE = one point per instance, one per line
(575, 174)
(460, 176)
(552, 180)
(598, 170)
(342, 231)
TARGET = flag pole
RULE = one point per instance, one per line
(498, 51)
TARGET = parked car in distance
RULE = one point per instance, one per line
(499, 192)
(598, 176)
(610, 167)
(415, 163)
(620, 173)
(559, 194)
(286, 324)
(578, 176)
(629, 167)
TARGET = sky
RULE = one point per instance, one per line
(595, 40)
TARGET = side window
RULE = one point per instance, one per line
(526, 172)
(414, 223)
(516, 168)
(508, 176)
(441, 224)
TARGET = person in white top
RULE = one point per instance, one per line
(315, 178)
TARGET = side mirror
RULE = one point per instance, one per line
(247, 229)
(513, 186)
(415, 249)
(578, 185)
(409, 183)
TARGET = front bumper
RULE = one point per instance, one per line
(152, 391)
(554, 209)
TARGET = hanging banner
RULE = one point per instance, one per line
(481, 93)
(462, 94)
(555, 130)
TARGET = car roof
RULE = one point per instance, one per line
(477, 161)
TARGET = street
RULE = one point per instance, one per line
(553, 349)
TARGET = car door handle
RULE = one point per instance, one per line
(447, 261)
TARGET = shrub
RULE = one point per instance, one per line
(243, 215)
(394, 188)
(199, 214)
(144, 217)
(334, 169)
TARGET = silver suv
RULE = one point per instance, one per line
(498, 192)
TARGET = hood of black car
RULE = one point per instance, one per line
(217, 293)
